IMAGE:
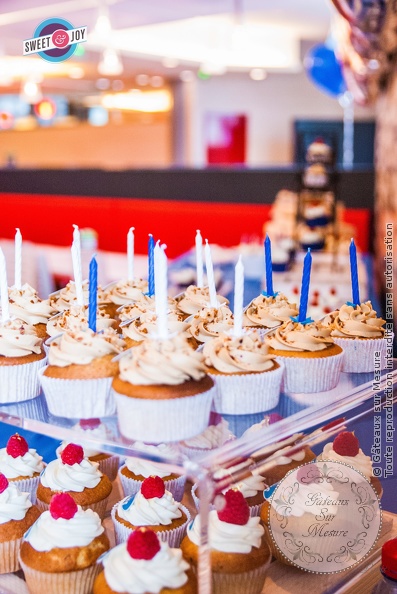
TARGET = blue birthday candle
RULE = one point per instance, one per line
(354, 273)
(307, 265)
(151, 265)
(93, 294)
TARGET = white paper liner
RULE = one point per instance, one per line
(158, 421)
(109, 467)
(36, 408)
(9, 555)
(28, 485)
(307, 375)
(99, 507)
(359, 354)
(254, 509)
(20, 382)
(173, 537)
(68, 582)
(175, 486)
(248, 393)
(248, 582)
(78, 399)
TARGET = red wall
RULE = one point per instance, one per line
(49, 219)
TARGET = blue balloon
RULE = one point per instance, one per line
(324, 70)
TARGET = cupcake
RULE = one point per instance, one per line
(152, 507)
(316, 176)
(209, 322)
(26, 305)
(145, 305)
(59, 552)
(21, 357)
(212, 438)
(76, 475)
(358, 330)
(346, 448)
(247, 376)
(108, 464)
(147, 565)
(312, 360)
(287, 458)
(17, 514)
(145, 326)
(162, 391)
(319, 152)
(316, 214)
(239, 553)
(312, 238)
(77, 381)
(268, 312)
(21, 465)
(76, 318)
(125, 292)
(66, 297)
(136, 470)
(195, 298)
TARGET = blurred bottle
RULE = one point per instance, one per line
(388, 583)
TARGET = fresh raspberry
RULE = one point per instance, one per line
(3, 483)
(346, 444)
(333, 423)
(89, 423)
(72, 454)
(17, 446)
(153, 486)
(236, 510)
(62, 506)
(143, 544)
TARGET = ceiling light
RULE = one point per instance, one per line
(31, 92)
(186, 76)
(157, 81)
(147, 102)
(103, 27)
(213, 68)
(76, 72)
(142, 80)
(258, 74)
(110, 64)
(168, 62)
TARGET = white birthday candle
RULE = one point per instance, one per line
(5, 310)
(161, 289)
(210, 275)
(78, 277)
(238, 298)
(18, 260)
(199, 259)
(130, 253)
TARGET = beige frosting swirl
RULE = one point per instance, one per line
(361, 462)
(230, 354)
(195, 298)
(143, 306)
(293, 336)
(18, 339)
(76, 318)
(81, 347)
(146, 325)
(162, 362)
(26, 305)
(124, 292)
(63, 299)
(269, 312)
(360, 321)
(210, 322)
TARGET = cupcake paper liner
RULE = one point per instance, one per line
(36, 408)
(249, 582)
(28, 485)
(168, 420)
(175, 486)
(78, 399)
(20, 382)
(254, 509)
(68, 582)
(307, 375)
(109, 467)
(99, 507)
(9, 555)
(359, 354)
(249, 393)
(173, 536)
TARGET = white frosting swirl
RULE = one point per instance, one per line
(311, 498)
(249, 486)
(124, 574)
(99, 432)
(81, 347)
(145, 305)
(13, 504)
(126, 291)
(228, 538)
(48, 533)
(76, 318)
(147, 468)
(210, 322)
(27, 465)
(360, 321)
(18, 339)
(230, 354)
(157, 511)
(361, 462)
(26, 305)
(63, 299)
(293, 336)
(212, 437)
(146, 326)
(195, 298)
(162, 362)
(269, 312)
(76, 477)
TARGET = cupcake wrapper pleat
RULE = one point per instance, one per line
(20, 382)
(175, 486)
(307, 375)
(168, 420)
(173, 537)
(78, 399)
(249, 582)
(109, 467)
(249, 393)
(99, 507)
(28, 485)
(68, 582)
(9, 555)
(359, 354)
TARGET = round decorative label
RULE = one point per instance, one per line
(324, 517)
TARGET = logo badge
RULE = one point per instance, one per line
(324, 517)
(55, 40)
